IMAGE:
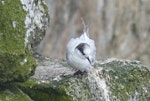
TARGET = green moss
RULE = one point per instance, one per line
(126, 79)
(13, 53)
(45, 8)
(43, 91)
(12, 93)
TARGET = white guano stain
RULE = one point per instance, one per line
(3, 2)
(33, 19)
(24, 61)
(101, 83)
(14, 24)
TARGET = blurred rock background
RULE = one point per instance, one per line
(120, 28)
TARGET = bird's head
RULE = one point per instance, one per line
(84, 51)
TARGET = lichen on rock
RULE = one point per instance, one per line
(12, 49)
(111, 80)
(127, 80)
(23, 24)
(36, 21)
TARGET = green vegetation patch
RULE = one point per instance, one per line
(12, 93)
(16, 62)
(127, 80)
(43, 91)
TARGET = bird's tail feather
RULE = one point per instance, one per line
(86, 28)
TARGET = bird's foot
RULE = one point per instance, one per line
(79, 72)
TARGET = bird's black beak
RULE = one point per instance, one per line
(89, 60)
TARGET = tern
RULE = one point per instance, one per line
(81, 52)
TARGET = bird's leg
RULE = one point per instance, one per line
(79, 72)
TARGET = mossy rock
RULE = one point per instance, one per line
(12, 93)
(112, 80)
(18, 36)
(38, 91)
(127, 80)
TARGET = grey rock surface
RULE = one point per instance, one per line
(50, 69)
(109, 80)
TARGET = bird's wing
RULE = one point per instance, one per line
(72, 44)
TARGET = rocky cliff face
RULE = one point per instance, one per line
(120, 28)
(22, 25)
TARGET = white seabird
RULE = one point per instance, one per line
(81, 52)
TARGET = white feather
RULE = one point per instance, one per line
(73, 57)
